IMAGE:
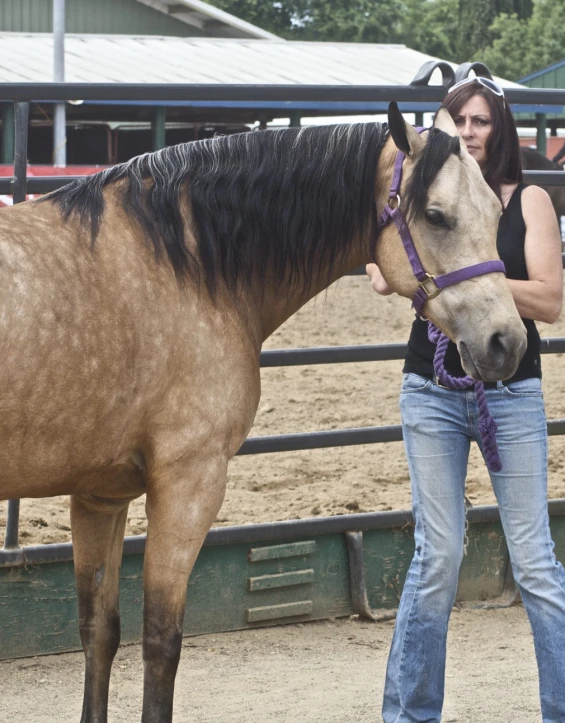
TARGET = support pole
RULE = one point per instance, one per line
(60, 111)
(541, 143)
(419, 118)
(295, 119)
(158, 122)
(20, 117)
(11, 539)
(7, 132)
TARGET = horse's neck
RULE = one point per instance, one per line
(278, 305)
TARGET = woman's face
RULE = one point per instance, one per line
(474, 124)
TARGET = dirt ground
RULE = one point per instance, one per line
(333, 481)
(326, 672)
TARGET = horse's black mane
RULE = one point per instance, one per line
(288, 201)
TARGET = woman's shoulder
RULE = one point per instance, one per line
(535, 202)
(535, 193)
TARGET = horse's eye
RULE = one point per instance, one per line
(436, 218)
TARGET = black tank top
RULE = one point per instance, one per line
(510, 246)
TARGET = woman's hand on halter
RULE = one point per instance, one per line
(377, 280)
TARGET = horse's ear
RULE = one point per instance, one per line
(444, 122)
(405, 138)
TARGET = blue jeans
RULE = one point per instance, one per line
(438, 426)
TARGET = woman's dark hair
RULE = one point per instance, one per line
(503, 162)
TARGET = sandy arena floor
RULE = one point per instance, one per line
(326, 672)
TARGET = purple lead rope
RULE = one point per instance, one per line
(487, 425)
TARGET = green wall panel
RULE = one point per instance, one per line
(302, 579)
(125, 17)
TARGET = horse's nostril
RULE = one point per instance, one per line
(497, 342)
(498, 347)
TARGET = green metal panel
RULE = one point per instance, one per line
(554, 78)
(550, 79)
(38, 609)
(387, 557)
(121, 17)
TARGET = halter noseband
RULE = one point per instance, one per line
(429, 286)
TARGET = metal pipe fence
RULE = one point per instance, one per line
(19, 185)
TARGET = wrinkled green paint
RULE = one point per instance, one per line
(38, 611)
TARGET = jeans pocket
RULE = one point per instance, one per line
(414, 383)
(524, 388)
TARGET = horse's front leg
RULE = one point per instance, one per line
(183, 501)
(98, 534)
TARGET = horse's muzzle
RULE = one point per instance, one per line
(499, 358)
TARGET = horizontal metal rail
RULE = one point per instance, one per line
(343, 438)
(162, 92)
(361, 353)
(45, 184)
(264, 531)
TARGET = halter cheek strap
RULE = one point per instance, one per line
(429, 285)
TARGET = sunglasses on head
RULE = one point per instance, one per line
(485, 82)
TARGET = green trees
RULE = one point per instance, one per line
(513, 37)
(518, 46)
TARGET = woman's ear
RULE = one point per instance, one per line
(405, 138)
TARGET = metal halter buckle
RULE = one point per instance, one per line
(430, 294)
(394, 202)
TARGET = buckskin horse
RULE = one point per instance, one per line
(134, 306)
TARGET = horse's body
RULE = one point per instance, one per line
(533, 160)
(86, 369)
(125, 374)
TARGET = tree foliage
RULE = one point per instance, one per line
(521, 46)
(513, 37)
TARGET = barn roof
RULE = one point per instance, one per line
(27, 57)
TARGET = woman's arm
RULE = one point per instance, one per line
(377, 280)
(540, 297)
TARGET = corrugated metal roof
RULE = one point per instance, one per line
(27, 57)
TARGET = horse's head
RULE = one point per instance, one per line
(453, 216)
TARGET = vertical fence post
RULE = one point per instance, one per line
(295, 119)
(20, 151)
(7, 132)
(21, 116)
(158, 127)
(541, 143)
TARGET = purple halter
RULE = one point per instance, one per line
(429, 286)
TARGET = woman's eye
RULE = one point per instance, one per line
(436, 218)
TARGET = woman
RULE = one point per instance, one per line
(439, 424)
